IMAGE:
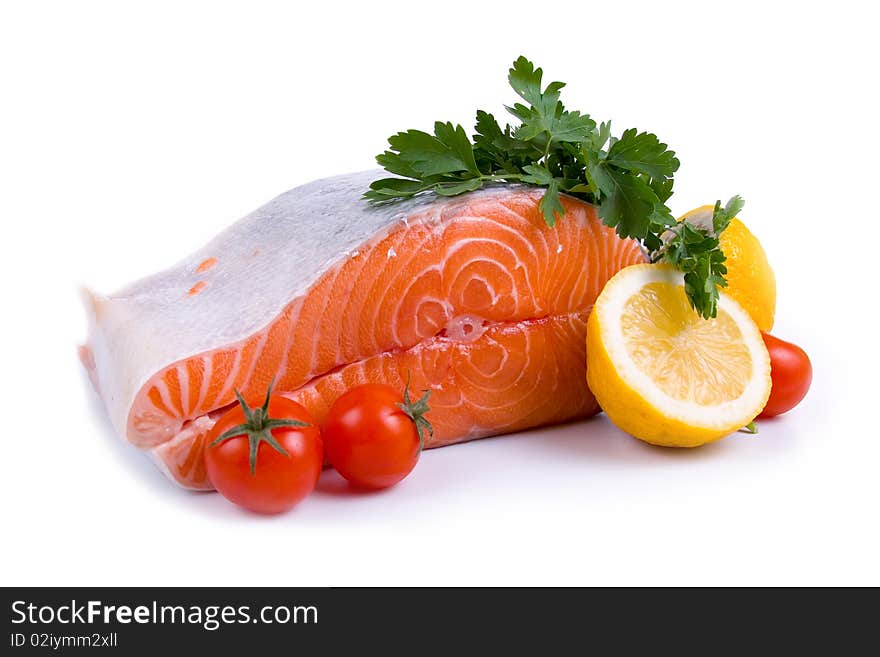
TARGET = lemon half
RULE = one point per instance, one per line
(664, 374)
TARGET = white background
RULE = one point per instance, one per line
(133, 132)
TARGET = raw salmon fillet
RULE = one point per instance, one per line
(474, 297)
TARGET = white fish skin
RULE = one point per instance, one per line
(265, 260)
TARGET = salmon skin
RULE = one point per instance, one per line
(474, 297)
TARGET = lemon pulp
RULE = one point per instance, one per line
(687, 357)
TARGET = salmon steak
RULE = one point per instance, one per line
(473, 297)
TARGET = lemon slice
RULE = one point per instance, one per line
(665, 375)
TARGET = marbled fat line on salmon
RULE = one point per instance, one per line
(474, 297)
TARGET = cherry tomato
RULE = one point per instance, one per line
(791, 372)
(265, 459)
(374, 435)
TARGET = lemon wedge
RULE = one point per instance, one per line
(665, 375)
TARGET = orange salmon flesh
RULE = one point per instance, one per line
(474, 298)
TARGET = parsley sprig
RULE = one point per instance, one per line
(629, 178)
(695, 250)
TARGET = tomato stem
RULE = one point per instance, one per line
(416, 411)
(258, 427)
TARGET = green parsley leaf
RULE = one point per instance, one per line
(643, 153)
(447, 151)
(627, 203)
(537, 175)
(525, 80)
(453, 188)
(391, 188)
(550, 205)
(721, 216)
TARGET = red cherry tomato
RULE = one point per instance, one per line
(265, 459)
(373, 435)
(791, 372)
